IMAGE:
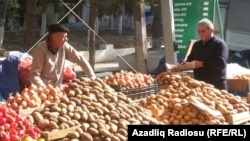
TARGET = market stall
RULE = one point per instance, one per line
(96, 110)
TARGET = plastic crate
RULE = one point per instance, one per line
(238, 87)
(138, 93)
(98, 75)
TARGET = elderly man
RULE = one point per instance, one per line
(208, 57)
(50, 55)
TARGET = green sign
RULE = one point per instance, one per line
(187, 13)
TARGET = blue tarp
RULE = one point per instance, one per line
(9, 76)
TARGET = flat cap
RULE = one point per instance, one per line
(57, 28)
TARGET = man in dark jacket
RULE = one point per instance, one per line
(208, 57)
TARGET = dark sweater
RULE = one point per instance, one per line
(214, 55)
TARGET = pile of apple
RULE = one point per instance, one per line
(13, 127)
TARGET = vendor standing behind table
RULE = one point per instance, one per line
(49, 58)
(208, 57)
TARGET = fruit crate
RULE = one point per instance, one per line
(138, 93)
(28, 111)
(58, 134)
(239, 118)
(98, 75)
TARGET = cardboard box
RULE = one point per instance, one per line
(238, 87)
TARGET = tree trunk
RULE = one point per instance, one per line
(56, 11)
(120, 19)
(111, 22)
(3, 10)
(140, 36)
(156, 25)
(30, 24)
(92, 24)
(44, 21)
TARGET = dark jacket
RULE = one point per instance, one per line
(214, 55)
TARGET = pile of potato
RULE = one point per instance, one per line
(99, 111)
(176, 91)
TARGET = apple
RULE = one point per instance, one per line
(41, 139)
(28, 138)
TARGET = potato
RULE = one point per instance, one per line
(53, 125)
(85, 126)
(85, 79)
(70, 123)
(113, 127)
(73, 85)
(62, 105)
(71, 93)
(114, 138)
(78, 91)
(55, 108)
(62, 119)
(95, 83)
(123, 131)
(99, 89)
(77, 101)
(93, 131)
(37, 116)
(86, 137)
(73, 135)
(178, 107)
(222, 109)
(104, 132)
(70, 108)
(107, 139)
(121, 137)
(94, 91)
(63, 126)
(110, 106)
(43, 123)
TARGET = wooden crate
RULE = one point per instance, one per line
(239, 118)
(28, 111)
(55, 135)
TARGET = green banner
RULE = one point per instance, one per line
(187, 13)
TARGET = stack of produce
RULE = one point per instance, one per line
(13, 127)
(34, 96)
(99, 111)
(128, 79)
(235, 71)
(178, 91)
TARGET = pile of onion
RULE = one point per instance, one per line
(128, 79)
(34, 96)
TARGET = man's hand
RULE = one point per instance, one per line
(92, 77)
(187, 66)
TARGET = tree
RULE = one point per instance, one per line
(30, 24)
(44, 17)
(3, 10)
(156, 25)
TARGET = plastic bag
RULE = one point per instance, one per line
(24, 71)
(68, 74)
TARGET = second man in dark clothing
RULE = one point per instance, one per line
(208, 57)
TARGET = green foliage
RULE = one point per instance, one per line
(13, 9)
(110, 6)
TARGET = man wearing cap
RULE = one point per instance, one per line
(50, 55)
